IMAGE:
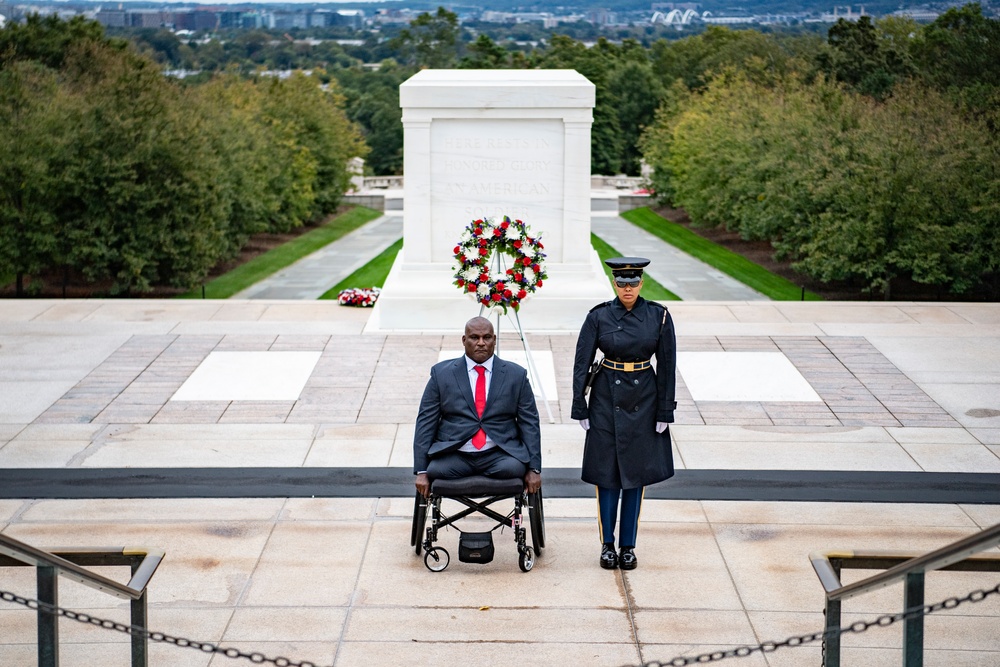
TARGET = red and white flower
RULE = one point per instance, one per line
(361, 298)
(521, 263)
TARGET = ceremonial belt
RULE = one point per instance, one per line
(627, 366)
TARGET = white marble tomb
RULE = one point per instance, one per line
(484, 143)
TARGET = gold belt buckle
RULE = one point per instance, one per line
(628, 366)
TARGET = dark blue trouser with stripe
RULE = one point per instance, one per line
(607, 502)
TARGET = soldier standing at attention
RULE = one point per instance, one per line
(627, 442)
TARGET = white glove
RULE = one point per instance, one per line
(585, 424)
(661, 427)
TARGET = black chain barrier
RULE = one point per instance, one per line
(857, 627)
(137, 631)
(767, 647)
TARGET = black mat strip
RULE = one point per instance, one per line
(766, 485)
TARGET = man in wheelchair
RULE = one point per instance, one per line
(477, 436)
(477, 417)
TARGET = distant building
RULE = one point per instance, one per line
(921, 15)
(491, 16)
(230, 20)
(112, 18)
(393, 16)
(848, 15)
(257, 20)
(147, 18)
(289, 20)
(729, 20)
(321, 18)
(601, 17)
(196, 20)
(353, 18)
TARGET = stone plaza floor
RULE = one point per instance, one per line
(100, 400)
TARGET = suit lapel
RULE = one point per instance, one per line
(497, 382)
(460, 371)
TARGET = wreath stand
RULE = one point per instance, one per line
(500, 266)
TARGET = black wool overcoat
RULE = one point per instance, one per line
(623, 449)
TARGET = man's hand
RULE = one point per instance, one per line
(532, 481)
(585, 424)
(424, 485)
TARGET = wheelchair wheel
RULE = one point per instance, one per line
(527, 560)
(437, 559)
(536, 517)
(419, 523)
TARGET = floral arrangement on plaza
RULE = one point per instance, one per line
(355, 296)
(506, 287)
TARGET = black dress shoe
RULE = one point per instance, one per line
(627, 559)
(609, 559)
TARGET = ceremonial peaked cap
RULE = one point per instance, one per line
(627, 267)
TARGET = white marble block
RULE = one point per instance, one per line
(484, 143)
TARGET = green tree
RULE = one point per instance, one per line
(865, 58)
(139, 205)
(35, 120)
(712, 156)
(960, 49)
(314, 118)
(269, 179)
(960, 53)
(372, 101)
(696, 60)
(656, 141)
(484, 53)
(849, 188)
(252, 46)
(913, 193)
(636, 94)
(47, 40)
(431, 40)
(161, 45)
(595, 63)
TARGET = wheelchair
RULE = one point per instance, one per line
(477, 494)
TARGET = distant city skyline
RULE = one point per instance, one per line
(254, 2)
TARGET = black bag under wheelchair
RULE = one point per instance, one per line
(477, 494)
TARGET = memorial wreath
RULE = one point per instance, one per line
(504, 287)
(362, 298)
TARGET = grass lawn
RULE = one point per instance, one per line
(651, 289)
(272, 261)
(753, 275)
(371, 274)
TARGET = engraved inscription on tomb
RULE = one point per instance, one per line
(486, 168)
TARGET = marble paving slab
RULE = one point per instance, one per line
(743, 376)
(249, 376)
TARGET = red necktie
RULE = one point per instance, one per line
(479, 439)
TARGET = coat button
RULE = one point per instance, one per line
(637, 408)
(617, 409)
(635, 382)
(618, 381)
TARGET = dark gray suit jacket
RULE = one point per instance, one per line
(447, 417)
